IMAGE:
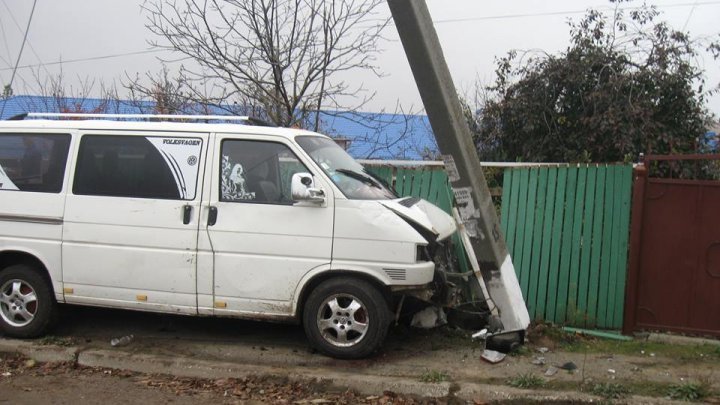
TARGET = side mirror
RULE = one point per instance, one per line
(303, 188)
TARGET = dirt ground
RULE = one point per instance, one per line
(636, 371)
(24, 381)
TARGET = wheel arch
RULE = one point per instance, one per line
(12, 257)
(317, 279)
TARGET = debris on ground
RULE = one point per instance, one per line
(539, 361)
(252, 389)
(482, 334)
(121, 341)
(542, 350)
(569, 366)
(492, 356)
(551, 371)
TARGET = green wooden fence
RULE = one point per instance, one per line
(567, 231)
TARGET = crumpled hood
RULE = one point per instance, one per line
(424, 214)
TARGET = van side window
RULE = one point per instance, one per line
(257, 172)
(33, 162)
(137, 166)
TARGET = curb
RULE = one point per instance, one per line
(194, 368)
(39, 353)
(323, 379)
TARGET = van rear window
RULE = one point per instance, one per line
(33, 162)
(137, 166)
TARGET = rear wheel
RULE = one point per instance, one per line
(346, 318)
(27, 305)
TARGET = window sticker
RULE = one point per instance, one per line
(234, 185)
(182, 156)
(5, 182)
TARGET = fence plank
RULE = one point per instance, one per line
(415, 190)
(574, 285)
(606, 250)
(527, 240)
(624, 234)
(514, 213)
(444, 195)
(424, 191)
(534, 265)
(554, 276)
(596, 248)
(524, 181)
(585, 247)
(545, 279)
(613, 254)
(566, 250)
(505, 208)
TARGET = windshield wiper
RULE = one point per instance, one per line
(359, 176)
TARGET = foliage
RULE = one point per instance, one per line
(434, 376)
(277, 57)
(526, 380)
(627, 83)
(689, 391)
(610, 390)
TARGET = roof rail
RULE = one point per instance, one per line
(250, 120)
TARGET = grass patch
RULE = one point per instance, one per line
(644, 348)
(434, 376)
(689, 391)
(56, 341)
(526, 380)
(610, 390)
(520, 351)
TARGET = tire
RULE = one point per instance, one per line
(27, 303)
(346, 318)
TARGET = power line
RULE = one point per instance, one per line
(689, 15)
(567, 12)
(117, 55)
(32, 49)
(22, 46)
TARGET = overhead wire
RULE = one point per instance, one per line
(689, 15)
(29, 44)
(22, 47)
(567, 12)
(116, 55)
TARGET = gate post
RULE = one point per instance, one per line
(636, 227)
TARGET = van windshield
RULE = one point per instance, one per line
(355, 182)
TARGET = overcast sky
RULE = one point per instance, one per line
(83, 34)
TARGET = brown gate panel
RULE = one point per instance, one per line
(674, 276)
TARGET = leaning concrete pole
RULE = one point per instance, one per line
(454, 139)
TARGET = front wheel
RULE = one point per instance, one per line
(27, 305)
(346, 318)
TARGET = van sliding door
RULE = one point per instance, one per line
(131, 221)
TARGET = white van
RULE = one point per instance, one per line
(215, 219)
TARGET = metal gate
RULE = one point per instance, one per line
(674, 274)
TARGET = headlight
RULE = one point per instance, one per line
(422, 254)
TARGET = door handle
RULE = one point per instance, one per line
(212, 216)
(187, 212)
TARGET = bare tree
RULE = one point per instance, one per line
(160, 93)
(278, 56)
(54, 95)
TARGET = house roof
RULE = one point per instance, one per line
(371, 135)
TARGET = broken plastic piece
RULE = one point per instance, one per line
(551, 371)
(480, 335)
(492, 357)
(428, 318)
